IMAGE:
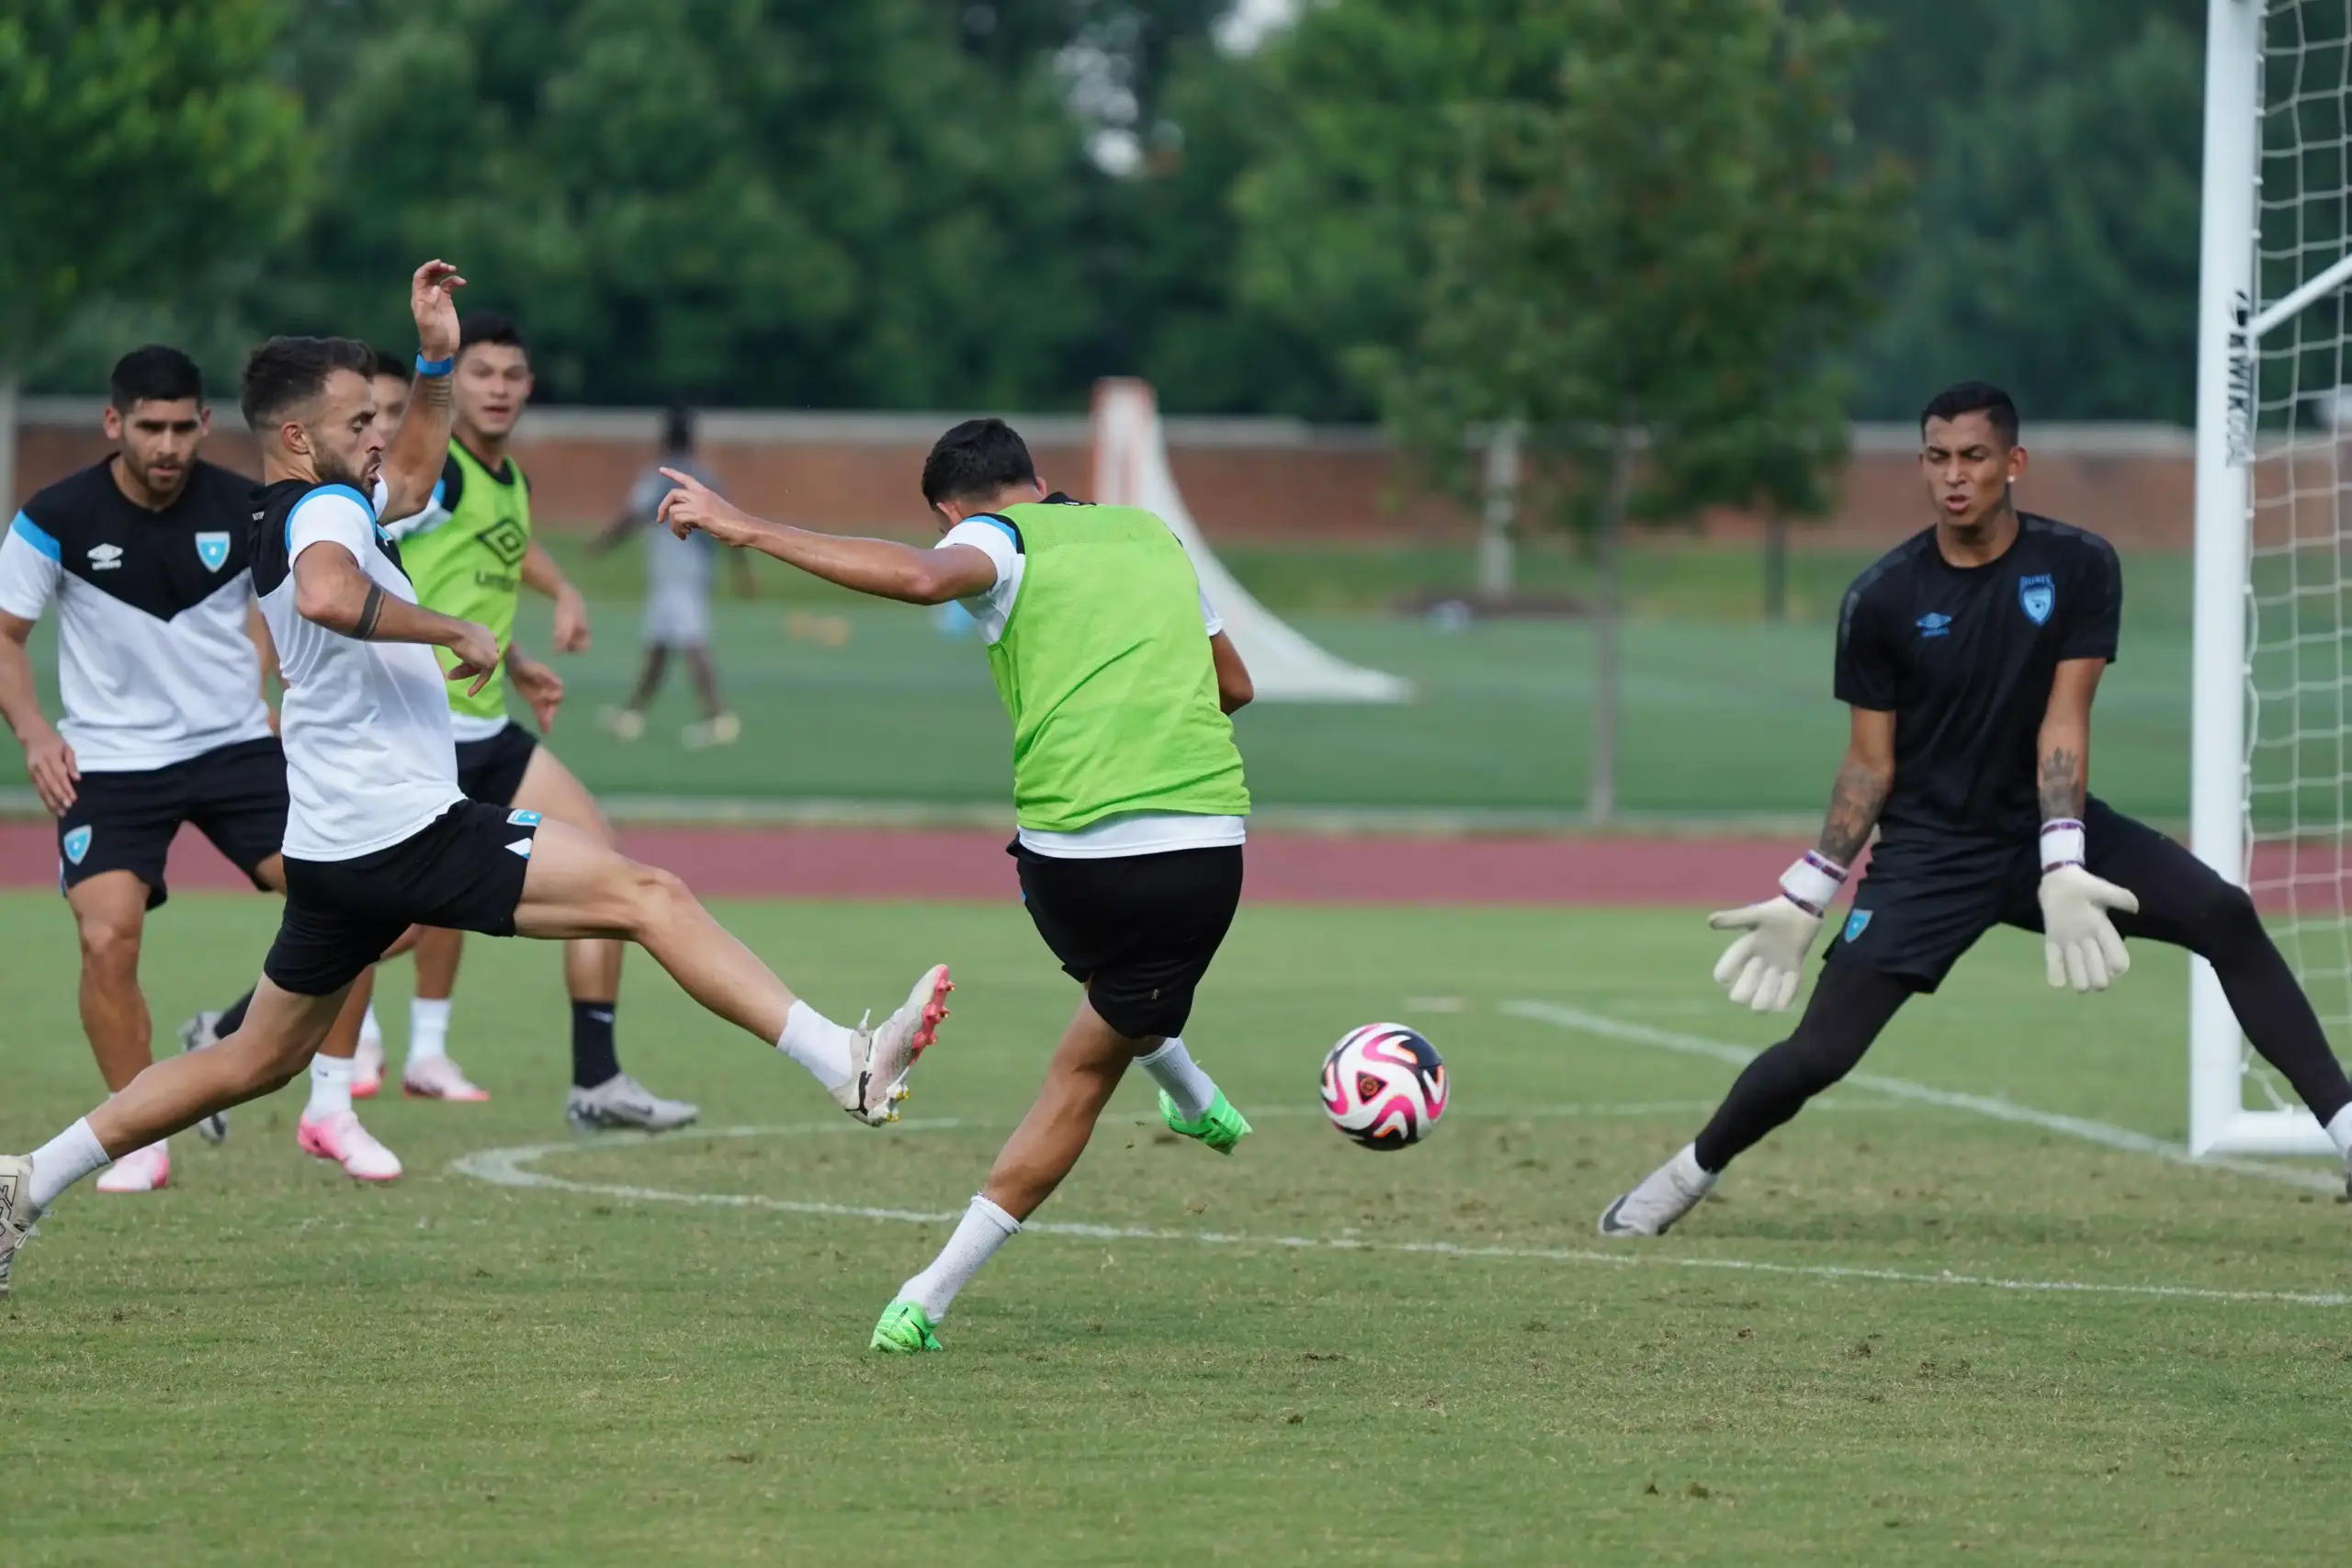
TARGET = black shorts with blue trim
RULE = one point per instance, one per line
(463, 871)
(234, 795)
(1138, 932)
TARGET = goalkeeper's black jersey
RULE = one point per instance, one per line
(1963, 657)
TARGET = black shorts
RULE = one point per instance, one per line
(1927, 899)
(462, 871)
(491, 770)
(235, 795)
(1139, 931)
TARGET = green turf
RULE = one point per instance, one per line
(269, 1365)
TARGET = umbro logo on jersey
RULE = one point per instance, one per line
(212, 549)
(105, 557)
(1935, 625)
(2037, 595)
(507, 540)
(520, 847)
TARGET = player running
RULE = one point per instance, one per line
(160, 663)
(470, 552)
(1969, 656)
(1127, 783)
(379, 836)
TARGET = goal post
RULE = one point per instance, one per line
(2271, 773)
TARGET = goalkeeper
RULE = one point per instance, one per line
(1969, 656)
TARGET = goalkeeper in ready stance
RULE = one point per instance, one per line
(1969, 656)
(1119, 678)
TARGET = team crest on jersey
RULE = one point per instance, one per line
(2038, 595)
(76, 844)
(1856, 923)
(212, 549)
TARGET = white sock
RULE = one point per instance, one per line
(371, 1033)
(983, 1229)
(64, 1160)
(2339, 1127)
(817, 1044)
(428, 1027)
(330, 1086)
(1172, 1068)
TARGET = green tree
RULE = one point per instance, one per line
(144, 142)
(1628, 225)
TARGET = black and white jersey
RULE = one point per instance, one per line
(1964, 658)
(153, 661)
(369, 758)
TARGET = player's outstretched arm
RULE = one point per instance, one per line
(542, 575)
(2080, 945)
(883, 568)
(331, 590)
(49, 760)
(413, 457)
(1764, 966)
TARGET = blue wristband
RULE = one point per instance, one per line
(434, 367)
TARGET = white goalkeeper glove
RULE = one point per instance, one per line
(1763, 968)
(2079, 945)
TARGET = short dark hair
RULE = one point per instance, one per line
(157, 373)
(287, 371)
(1974, 397)
(678, 429)
(489, 326)
(977, 460)
(383, 362)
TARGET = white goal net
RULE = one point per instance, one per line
(2273, 752)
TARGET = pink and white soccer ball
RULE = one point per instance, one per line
(1383, 1086)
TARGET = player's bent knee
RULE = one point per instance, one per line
(110, 946)
(658, 897)
(2223, 918)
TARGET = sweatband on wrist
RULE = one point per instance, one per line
(1813, 882)
(2062, 843)
(434, 367)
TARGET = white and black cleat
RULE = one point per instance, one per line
(195, 1035)
(622, 1101)
(1667, 1193)
(16, 1212)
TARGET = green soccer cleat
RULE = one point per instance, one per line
(1220, 1126)
(905, 1330)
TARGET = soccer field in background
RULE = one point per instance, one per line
(1907, 1329)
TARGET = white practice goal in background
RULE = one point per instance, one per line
(1131, 469)
(2271, 770)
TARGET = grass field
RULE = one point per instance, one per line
(659, 1356)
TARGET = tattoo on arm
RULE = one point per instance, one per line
(369, 614)
(1855, 801)
(438, 390)
(2061, 783)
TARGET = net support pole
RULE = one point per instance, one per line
(2225, 425)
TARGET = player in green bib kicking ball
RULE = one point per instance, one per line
(1119, 678)
(471, 554)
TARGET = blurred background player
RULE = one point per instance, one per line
(677, 593)
(1128, 788)
(470, 554)
(1968, 658)
(161, 667)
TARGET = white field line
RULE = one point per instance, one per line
(2077, 1127)
(513, 1167)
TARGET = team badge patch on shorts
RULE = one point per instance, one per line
(1856, 923)
(523, 819)
(212, 549)
(76, 844)
(2038, 595)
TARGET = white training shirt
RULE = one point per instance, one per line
(1129, 832)
(369, 758)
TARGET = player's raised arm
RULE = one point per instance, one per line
(413, 457)
(883, 568)
(2079, 941)
(1763, 967)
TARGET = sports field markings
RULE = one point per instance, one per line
(2077, 1127)
(514, 1168)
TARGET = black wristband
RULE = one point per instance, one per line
(369, 613)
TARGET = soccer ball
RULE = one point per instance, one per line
(1383, 1086)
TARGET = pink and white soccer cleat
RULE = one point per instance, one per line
(881, 1058)
(141, 1171)
(437, 1077)
(340, 1137)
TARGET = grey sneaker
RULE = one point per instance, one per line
(883, 1057)
(16, 1215)
(198, 1032)
(1667, 1193)
(622, 1101)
